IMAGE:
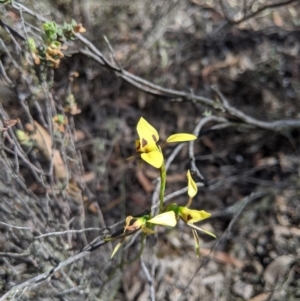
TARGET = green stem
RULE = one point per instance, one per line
(140, 251)
(163, 178)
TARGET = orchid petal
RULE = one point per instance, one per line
(148, 136)
(140, 222)
(154, 158)
(192, 216)
(138, 145)
(192, 187)
(117, 247)
(202, 230)
(147, 230)
(181, 137)
(197, 242)
(165, 219)
(128, 220)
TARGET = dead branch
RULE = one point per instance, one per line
(37, 280)
(261, 9)
(280, 126)
(94, 53)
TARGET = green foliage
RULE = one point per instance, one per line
(50, 53)
(57, 33)
(51, 31)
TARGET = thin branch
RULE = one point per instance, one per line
(143, 84)
(149, 279)
(280, 126)
(94, 245)
(251, 14)
(43, 277)
(175, 194)
(112, 53)
(261, 9)
(93, 52)
(14, 255)
(19, 6)
(67, 232)
(231, 210)
(4, 75)
(196, 133)
(16, 227)
(179, 192)
(148, 87)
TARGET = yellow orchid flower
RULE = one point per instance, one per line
(192, 216)
(164, 219)
(189, 217)
(147, 143)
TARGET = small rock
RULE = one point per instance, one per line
(276, 268)
(243, 289)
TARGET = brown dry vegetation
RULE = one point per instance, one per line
(228, 70)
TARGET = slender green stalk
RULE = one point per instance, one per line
(163, 179)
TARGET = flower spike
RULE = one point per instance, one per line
(192, 187)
